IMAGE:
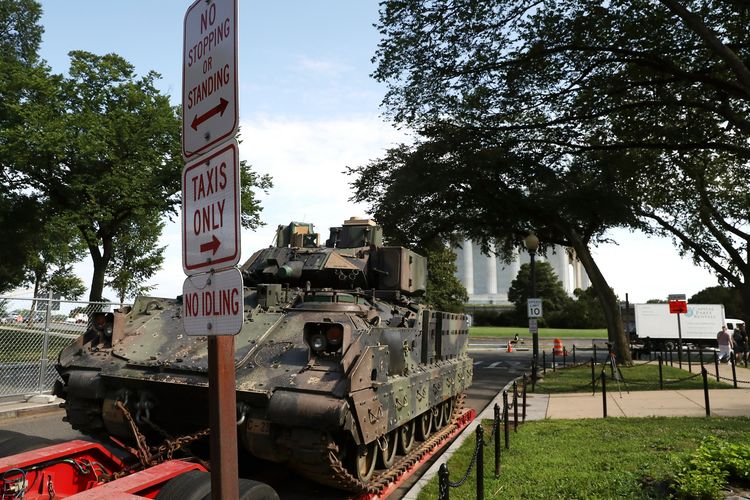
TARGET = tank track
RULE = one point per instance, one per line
(329, 470)
(335, 474)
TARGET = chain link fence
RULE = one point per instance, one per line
(33, 331)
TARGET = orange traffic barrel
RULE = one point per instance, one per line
(510, 347)
(558, 347)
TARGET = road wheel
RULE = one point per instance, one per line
(424, 425)
(447, 408)
(406, 437)
(437, 417)
(387, 450)
(364, 458)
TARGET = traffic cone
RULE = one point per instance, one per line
(510, 347)
(558, 347)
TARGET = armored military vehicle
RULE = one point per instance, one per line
(340, 370)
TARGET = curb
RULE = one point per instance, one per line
(26, 410)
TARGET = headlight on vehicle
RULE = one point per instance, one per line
(325, 337)
(318, 342)
(335, 335)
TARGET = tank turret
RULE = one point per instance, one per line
(340, 368)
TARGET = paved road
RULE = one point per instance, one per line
(493, 368)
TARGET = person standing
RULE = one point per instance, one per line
(739, 339)
(725, 344)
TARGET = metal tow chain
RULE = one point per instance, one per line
(143, 454)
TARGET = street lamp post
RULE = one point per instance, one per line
(531, 242)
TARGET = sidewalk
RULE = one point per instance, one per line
(672, 403)
(34, 406)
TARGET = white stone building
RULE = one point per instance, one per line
(487, 278)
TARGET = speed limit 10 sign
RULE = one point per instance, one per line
(534, 308)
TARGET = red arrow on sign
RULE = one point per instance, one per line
(218, 109)
(214, 245)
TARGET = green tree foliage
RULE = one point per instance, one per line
(657, 92)
(136, 258)
(730, 297)
(20, 213)
(583, 312)
(19, 218)
(104, 152)
(444, 291)
(491, 160)
(56, 247)
(548, 287)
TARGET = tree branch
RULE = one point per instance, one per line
(692, 21)
(697, 250)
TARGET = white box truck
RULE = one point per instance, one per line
(656, 327)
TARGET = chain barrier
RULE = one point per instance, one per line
(446, 483)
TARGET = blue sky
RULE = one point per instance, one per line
(308, 109)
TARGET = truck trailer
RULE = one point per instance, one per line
(656, 327)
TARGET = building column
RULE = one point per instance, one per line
(468, 261)
(492, 271)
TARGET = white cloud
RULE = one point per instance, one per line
(324, 67)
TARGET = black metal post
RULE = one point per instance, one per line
(443, 486)
(565, 355)
(506, 424)
(544, 362)
(515, 406)
(593, 376)
(496, 430)
(661, 377)
(671, 357)
(733, 359)
(690, 363)
(594, 344)
(604, 393)
(533, 375)
(700, 355)
(480, 462)
(704, 372)
(535, 333)
(524, 397)
(574, 354)
(553, 360)
(716, 364)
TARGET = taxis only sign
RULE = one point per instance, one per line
(211, 211)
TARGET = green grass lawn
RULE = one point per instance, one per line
(636, 378)
(551, 333)
(603, 458)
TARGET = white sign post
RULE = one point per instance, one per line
(213, 303)
(211, 211)
(210, 108)
(534, 307)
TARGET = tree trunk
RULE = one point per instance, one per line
(100, 261)
(610, 305)
(97, 280)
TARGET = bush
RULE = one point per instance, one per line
(706, 472)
